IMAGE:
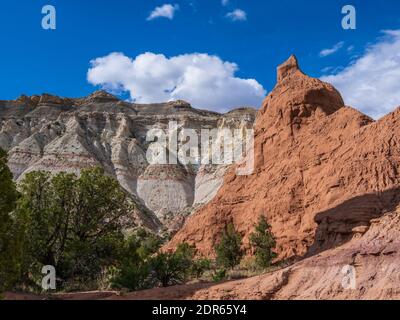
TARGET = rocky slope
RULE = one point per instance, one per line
(366, 268)
(323, 172)
(60, 134)
(373, 257)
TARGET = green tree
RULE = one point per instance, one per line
(263, 243)
(101, 213)
(44, 210)
(73, 223)
(228, 250)
(10, 247)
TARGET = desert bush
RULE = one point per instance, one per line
(219, 275)
(132, 270)
(199, 267)
(250, 264)
(171, 268)
(141, 268)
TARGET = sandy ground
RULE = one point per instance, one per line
(181, 292)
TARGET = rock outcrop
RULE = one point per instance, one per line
(366, 268)
(60, 134)
(323, 171)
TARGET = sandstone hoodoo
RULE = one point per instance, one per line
(323, 171)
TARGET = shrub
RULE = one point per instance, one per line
(199, 267)
(263, 243)
(172, 268)
(228, 250)
(149, 243)
(219, 275)
(250, 264)
(132, 271)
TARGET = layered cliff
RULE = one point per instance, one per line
(60, 134)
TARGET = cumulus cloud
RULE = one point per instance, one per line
(330, 51)
(371, 83)
(165, 11)
(237, 15)
(203, 80)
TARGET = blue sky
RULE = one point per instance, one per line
(33, 60)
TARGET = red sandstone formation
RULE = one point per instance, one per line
(322, 172)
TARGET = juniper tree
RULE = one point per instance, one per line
(74, 223)
(263, 243)
(10, 249)
(228, 250)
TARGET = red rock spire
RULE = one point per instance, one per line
(287, 68)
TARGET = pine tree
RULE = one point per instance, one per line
(263, 242)
(229, 252)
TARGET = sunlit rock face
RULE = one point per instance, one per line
(60, 134)
(323, 171)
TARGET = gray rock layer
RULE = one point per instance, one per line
(59, 134)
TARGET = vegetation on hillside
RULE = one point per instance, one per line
(82, 226)
(10, 244)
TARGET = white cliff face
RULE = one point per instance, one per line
(55, 134)
(208, 181)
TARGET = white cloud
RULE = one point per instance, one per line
(371, 83)
(350, 49)
(334, 49)
(224, 2)
(327, 69)
(237, 15)
(165, 11)
(205, 81)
